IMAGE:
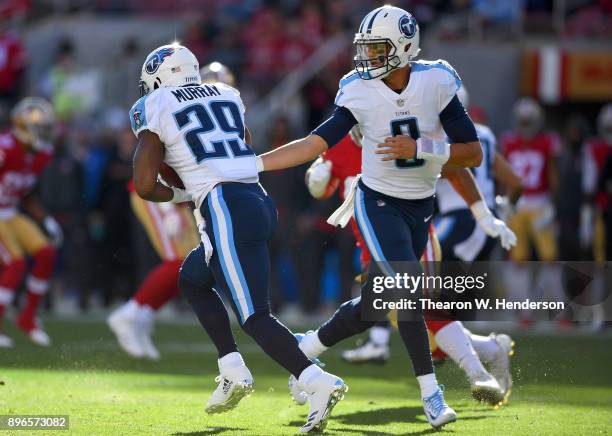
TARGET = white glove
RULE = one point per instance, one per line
(180, 195)
(318, 177)
(492, 226)
(171, 219)
(54, 230)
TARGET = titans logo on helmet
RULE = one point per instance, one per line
(408, 26)
(156, 59)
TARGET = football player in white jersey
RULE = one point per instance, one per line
(456, 226)
(405, 110)
(198, 130)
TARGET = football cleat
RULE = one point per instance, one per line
(231, 389)
(40, 337)
(486, 388)
(145, 324)
(367, 353)
(297, 393)
(35, 331)
(437, 412)
(5, 341)
(500, 365)
(127, 333)
(324, 393)
(148, 347)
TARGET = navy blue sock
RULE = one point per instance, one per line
(277, 342)
(212, 314)
(416, 340)
(345, 323)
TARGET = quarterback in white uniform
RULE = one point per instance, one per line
(198, 130)
(405, 110)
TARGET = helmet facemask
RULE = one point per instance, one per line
(375, 58)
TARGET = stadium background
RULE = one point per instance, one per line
(85, 56)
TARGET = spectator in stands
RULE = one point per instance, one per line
(74, 92)
(13, 63)
(120, 88)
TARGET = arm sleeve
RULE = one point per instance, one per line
(449, 83)
(336, 127)
(457, 123)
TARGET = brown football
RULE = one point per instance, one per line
(170, 176)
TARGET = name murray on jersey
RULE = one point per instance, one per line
(193, 92)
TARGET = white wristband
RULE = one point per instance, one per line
(435, 151)
(259, 163)
(480, 210)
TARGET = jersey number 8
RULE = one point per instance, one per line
(227, 116)
(399, 127)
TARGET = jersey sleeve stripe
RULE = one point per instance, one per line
(416, 67)
(348, 79)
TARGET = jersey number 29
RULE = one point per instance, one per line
(410, 127)
(228, 119)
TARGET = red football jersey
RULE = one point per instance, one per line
(19, 170)
(530, 159)
(597, 151)
(345, 157)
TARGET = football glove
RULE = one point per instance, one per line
(318, 177)
(492, 226)
(180, 195)
(504, 208)
(171, 219)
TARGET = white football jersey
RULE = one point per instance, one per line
(449, 200)
(381, 112)
(202, 128)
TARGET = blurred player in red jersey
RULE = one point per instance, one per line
(25, 151)
(172, 231)
(532, 153)
(336, 168)
(596, 153)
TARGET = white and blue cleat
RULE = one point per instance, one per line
(298, 395)
(324, 393)
(437, 412)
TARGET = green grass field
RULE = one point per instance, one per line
(563, 385)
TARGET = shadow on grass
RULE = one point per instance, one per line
(389, 415)
(212, 430)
